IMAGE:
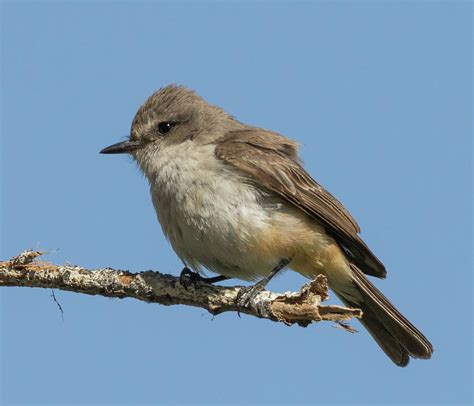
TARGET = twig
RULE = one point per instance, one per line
(59, 306)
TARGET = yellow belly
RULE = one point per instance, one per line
(294, 235)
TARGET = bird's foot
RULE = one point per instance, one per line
(188, 278)
(248, 293)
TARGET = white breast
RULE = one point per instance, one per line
(206, 209)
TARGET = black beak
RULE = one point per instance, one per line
(121, 147)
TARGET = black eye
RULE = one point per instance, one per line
(164, 127)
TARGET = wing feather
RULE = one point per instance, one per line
(272, 161)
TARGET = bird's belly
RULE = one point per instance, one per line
(222, 241)
(245, 240)
(213, 221)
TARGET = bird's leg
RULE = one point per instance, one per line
(188, 277)
(248, 293)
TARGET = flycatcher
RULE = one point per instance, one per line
(235, 200)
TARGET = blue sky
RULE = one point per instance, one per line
(379, 95)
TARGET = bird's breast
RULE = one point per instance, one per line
(207, 210)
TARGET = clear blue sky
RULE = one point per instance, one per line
(380, 97)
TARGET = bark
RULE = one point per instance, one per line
(302, 308)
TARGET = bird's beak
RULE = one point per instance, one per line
(121, 147)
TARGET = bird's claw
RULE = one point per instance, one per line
(188, 278)
(247, 294)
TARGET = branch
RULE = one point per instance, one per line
(302, 308)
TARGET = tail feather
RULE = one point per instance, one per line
(397, 337)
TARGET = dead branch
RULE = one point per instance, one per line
(302, 308)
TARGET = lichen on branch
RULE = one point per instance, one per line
(302, 308)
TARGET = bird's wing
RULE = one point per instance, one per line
(272, 161)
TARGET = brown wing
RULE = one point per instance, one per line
(272, 160)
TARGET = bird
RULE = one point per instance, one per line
(235, 200)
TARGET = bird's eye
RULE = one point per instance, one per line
(164, 127)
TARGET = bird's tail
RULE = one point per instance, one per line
(397, 337)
